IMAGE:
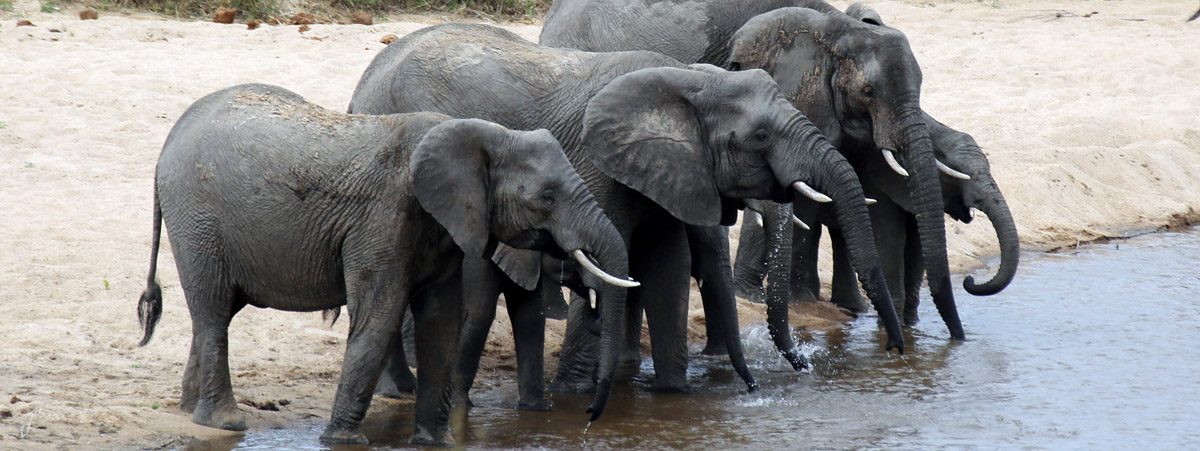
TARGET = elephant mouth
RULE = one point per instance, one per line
(537, 240)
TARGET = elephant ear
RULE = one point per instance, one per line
(795, 45)
(523, 266)
(643, 130)
(450, 178)
(861, 11)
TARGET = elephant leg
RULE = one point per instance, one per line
(914, 273)
(751, 266)
(375, 301)
(806, 245)
(709, 247)
(479, 302)
(845, 282)
(630, 360)
(207, 390)
(554, 305)
(436, 315)
(888, 223)
(529, 336)
(397, 379)
(580, 351)
(661, 261)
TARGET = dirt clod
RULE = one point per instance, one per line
(304, 19)
(89, 14)
(24, 23)
(15, 400)
(225, 15)
(261, 405)
(362, 18)
(304, 28)
(388, 38)
(252, 24)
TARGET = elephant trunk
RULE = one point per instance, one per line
(924, 185)
(585, 227)
(996, 209)
(778, 228)
(842, 184)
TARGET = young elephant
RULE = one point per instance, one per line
(277, 203)
(669, 151)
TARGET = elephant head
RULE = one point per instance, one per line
(860, 84)
(700, 142)
(967, 185)
(485, 183)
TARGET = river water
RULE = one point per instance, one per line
(1093, 348)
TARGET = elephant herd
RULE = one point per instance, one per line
(653, 123)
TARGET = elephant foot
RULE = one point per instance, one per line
(226, 417)
(342, 435)
(670, 386)
(911, 318)
(188, 404)
(851, 303)
(423, 436)
(533, 405)
(751, 294)
(715, 347)
(389, 387)
(799, 361)
(462, 400)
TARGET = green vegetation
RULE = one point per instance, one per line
(106, 286)
(268, 9)
(49, 6)
(6, 5)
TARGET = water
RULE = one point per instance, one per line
(1094, 348)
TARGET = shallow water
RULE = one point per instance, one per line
(1092, 348)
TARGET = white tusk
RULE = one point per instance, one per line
(757, 218)
(950, 171)
(895, 165)
(799, 223)
(871, 201)
(810, 193)
(592, 298)
(609, 279)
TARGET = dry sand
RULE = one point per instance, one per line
(1091, 124)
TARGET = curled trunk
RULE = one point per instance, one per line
(997, 212)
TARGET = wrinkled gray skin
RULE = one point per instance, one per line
(896, 234)
(669, 152)
(859, 83)
(277, 203)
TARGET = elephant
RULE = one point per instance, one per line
(669, 151)
(274, 202)
(970, 187)
(859, 83)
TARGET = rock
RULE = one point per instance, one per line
(304, 28)
(24, 23)
(252, 24)
(304, 19)
(362, 18)
(388, 38)
(225, 15)
(89, 14)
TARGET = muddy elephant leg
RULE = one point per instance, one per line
(207, 390)
(580, 351)
(374, 302)
(660, 259)
(397, 379)
(479, 303)
(845, 282)
(914, 273)
(806, 244)
(751, 266)
(437, 316)
(709, 247)
(529, 336)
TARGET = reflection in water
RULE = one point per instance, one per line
(1092, 349)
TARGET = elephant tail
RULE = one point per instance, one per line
(150, 305)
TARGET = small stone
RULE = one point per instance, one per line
(225, 15)
(252, 24)
(362, 18)
(304, 19)
(89, 14)
(24, 23)
(304, 28)
(388, 38)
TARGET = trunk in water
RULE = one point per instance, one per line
(924, 185)
(997, 212)
(777, 225)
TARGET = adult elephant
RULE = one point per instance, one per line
(859, 83)
(967, 185)
(667, 150)
(277, 203)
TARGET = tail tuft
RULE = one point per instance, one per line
(149, 311)
(331, 315)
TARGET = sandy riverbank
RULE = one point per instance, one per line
(1090, 122)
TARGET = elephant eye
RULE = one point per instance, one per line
(869, 91)
(762, 135)
(548, 197)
